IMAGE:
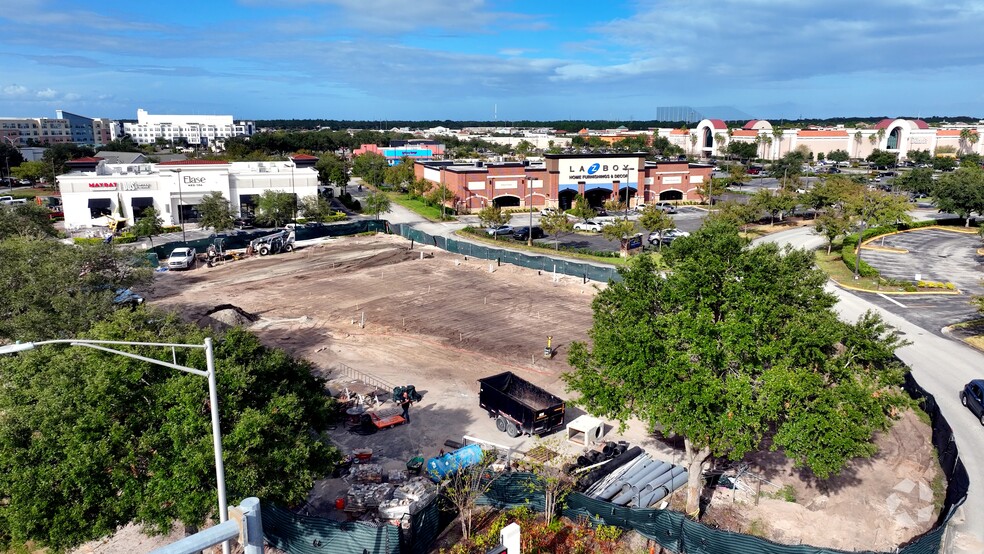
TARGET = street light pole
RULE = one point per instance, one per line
(529, 238)
(209, 373)
(294, 194)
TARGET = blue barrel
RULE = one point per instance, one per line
(441, 466)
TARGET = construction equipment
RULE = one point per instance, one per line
(281, 241)
(518, 406)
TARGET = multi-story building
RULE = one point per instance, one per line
(29, 131)
(89, 130)
(417, 149)
(202, 130)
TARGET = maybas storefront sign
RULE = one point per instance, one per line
(603, 170)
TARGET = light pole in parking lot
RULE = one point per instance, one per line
(529, 238)
(292, 164)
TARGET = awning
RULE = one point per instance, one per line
(103, 203)
(141, 202)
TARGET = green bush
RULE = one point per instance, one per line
(847, 254)
(121, 239)
(172, 229)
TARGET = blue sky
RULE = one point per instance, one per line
(461, 59)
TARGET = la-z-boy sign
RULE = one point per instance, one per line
(606, 169)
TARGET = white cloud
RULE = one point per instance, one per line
(47, 93)
(14, 90)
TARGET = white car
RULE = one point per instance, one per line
(592, 226)
(549, 211)
(500, 230)
(181, 258)
(669, 236)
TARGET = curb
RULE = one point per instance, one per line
(897, 293)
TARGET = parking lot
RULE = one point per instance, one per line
(934, 255)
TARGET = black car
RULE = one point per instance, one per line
(972, 396)
(523, 233)
(244, 223)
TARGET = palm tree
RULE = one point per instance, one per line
(965, 135)
(973, 138)
(777, 132)
(718, 140)
(881, 135)
(693, 142)
(857, 149)
(768, 145)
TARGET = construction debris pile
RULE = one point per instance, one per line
(408, 499)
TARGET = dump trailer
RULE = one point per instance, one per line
(518, 406)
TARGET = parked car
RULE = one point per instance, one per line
(592, 226)
(500, 230)
(181, 258)
(549, 211)
(666, 207)
(244, 223)
(523, 233)
(669, 236)
(972, 396)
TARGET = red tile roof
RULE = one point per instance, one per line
(920, 124)
(303, 157)
(948, 133)
(86, 160)
(680, 132)
(750, 124)
(718, 124)
(883, 124)
(195, 162)
(744, 133)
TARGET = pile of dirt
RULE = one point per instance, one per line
(224, 316)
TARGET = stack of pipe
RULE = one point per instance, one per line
(608, 467)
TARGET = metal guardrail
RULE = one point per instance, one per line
(362, 376)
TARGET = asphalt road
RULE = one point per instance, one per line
(942, 366)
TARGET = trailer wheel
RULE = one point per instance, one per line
(512, 430)
(500, 424)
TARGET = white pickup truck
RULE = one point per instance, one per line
(181, 258)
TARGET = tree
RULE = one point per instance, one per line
(961, 192)
(620, 230)
(401, 174)
(316, 208)
(275, 208)
(777, 133)
(376, 203)
(709, 188)
(737, 213)
(33, 171)
(524, 148)
(919, 157)
(882, 158)
(581, 209)
(857, 142)
(831, 225)
(971, 159)
(462, 488)
(874, 208)
(440, 196)
(52, 290)
(25, 220)
(838, 156)
(56, 155)
(11, 156)
(917, 181)
(742, 150)
(655, 220)
(557, 224)
(788, 168)
(122, 144)
(944, 163)
(492, 217)
(418, 187)
(774, 203)
(216, 212)
(737, 349)
(738, 175)
(693, 143)
(614, 206)
(333, 170)
(831, 191)
(122, 440)
(149, 224)
(371, 167)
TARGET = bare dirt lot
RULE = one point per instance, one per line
(440, 322)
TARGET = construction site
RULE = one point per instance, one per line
(374, 314)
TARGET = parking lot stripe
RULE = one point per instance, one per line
(896, 302)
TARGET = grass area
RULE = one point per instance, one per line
(28, 193)
(418, 206)
(508, 241)
(834, 267)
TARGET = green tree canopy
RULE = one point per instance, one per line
(883, 158)
(371, 167)
(275, 208)
(919, 157)
(557, 225)
(122, 144)
(400, 175)
(961, 192)
(581, 209)
(149, 224)
(25, 220)
(11, 156)
(216, 212)
(738, 349)
(944, 163)
(34, 171)
(333, 170)
(742, 150)
(838, 155)
(493, 216)
(52, 290)
(655, 220)
(918, 180)
(316, 208)
(377, 203)
(116, 440)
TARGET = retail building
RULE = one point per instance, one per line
(94, 189)
(557, 180)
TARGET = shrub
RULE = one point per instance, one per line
(847, 254)
(172, 228)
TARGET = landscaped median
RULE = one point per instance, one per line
(418, 206)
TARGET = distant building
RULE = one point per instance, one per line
(416, 149)
(27, 131)
(94, 188)
(89, 130)
(204, 130)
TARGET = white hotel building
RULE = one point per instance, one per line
(93, 188)
(195, 129)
